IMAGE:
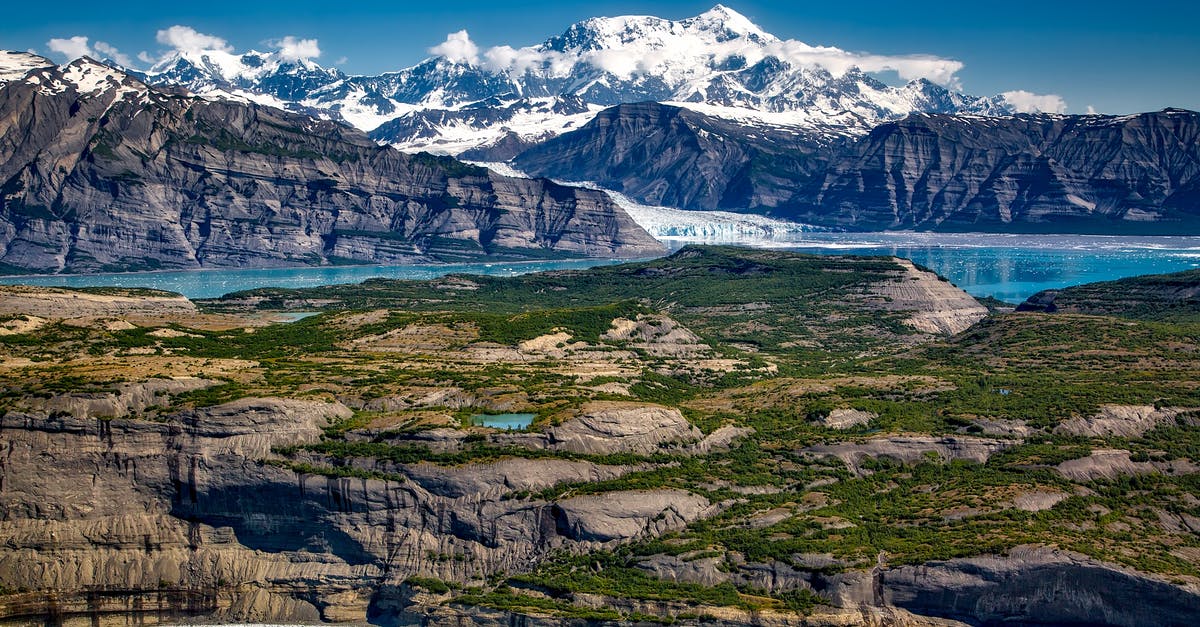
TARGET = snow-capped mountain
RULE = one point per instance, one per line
(463, 99)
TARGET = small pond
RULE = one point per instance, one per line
(293, 316)
(511, 422)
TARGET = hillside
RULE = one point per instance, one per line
(1151, 297)
(103, 173)
(1022, 173)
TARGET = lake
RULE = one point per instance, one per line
(1009, 267)
(510, 422)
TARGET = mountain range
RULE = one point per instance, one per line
(212, 158)
(715, 113)
(460, 100)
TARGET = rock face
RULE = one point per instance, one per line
(57, 303)
(910, 449)
(181, 514)
(603, 428)
(928, 171)
(668, 155)
(1126, 421)
(100, 172)
(939, 306)
(845, 418)
(1018, 173)
(1037, 587)
(625, 515)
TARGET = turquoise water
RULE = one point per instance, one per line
(1009, 267)
(511, 422)
(218, 282)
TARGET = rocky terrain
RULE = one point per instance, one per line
(723, 436)
(101, 172)
(928, 172)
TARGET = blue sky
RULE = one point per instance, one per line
(1115, 57)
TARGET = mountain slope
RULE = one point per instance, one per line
(1106, 174)
(101, 172)
(671, 156)
(1023, 172)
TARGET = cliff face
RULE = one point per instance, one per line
(1017, 173)
(108, 514)
(665, 155)
(100, 172)
(1025, 172)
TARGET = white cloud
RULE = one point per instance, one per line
(673, 47)
(1029, 102)
(293, 49)
(188, 39)
(837, 61)
(72, 47)
(110, 52)
(146, 57)
(78, 46)
(458, 48)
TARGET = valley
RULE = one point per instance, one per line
(719, 436)
(647, 322)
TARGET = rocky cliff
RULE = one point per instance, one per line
(101, 172)
(666, 155)
(1051, 173)
(1020, 173)
(105, 512)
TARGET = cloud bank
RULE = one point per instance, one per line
(74, 47)
(658, 53)
(1028, 102)
(188, 39)
(293, 49)
(179, 39)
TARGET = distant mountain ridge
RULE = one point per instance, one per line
(100, 172)
(718, 59)
(1026, 172)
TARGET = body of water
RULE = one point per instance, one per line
(510, 422)
(1009, 267)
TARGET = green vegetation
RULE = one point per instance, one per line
(784, 341)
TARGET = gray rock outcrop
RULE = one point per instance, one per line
(1125, 421)
(614, 427)
(182, 515)
(1037, 586)
(911, 449)
(625, 515)
(845, 418)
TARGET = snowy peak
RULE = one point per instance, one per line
(220, 73)
(16, 65)
(86, 77)
(725, 20)
(719, 61)
(89, 76)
